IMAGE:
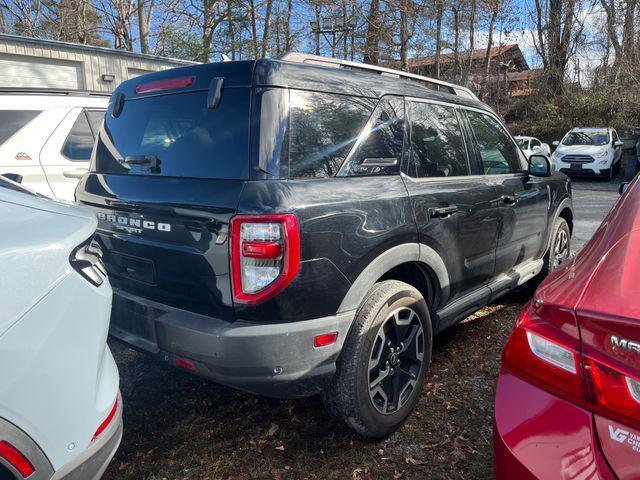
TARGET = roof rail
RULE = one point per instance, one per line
(347, 64)
(52, 91)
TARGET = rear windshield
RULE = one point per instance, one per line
(178, 136)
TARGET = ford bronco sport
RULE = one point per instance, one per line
(307, 225)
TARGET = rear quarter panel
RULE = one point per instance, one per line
(344, 222)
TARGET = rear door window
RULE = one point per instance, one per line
(96, 117)
(323, 129)
(437, 145)
(498, 153)
(13, 120)
(79, 143)
(178, 135)
(378, 150)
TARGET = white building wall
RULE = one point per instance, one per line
(33, 63)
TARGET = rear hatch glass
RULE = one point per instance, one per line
(166, 175)
(178, 135)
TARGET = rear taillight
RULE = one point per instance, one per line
(265, 255)
(544, 352)
(86, 259)
(612, 390)
(16, 459)
(547, 356)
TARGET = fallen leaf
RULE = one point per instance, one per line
(273, 430)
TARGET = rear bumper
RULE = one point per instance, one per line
(275, 359)
(91, 464)
(540, 436)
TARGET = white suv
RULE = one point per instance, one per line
(47, 137)
(60, 408)
(590, 151)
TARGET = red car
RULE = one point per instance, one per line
(568, 397)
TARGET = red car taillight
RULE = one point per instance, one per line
(265, 255)
(552, 359)
(16, 459)
(545, 352)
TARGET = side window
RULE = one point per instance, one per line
(614, 135)
(13, 120)
(77, 147)
(534, 143)
(96, 117)
(322, 130)
(437, 145)
(378, 150)
(499, 155)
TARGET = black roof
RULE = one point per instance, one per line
(278, 73)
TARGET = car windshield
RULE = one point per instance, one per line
(522, 143)
(587, 138)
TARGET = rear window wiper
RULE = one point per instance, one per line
(151, 160)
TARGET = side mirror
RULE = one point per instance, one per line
(555, 143)
(618, 143)
(14, 177)
(539, 166)
(623, 188)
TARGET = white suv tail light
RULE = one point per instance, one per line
(265, 255)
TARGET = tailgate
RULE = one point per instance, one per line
(165, 239)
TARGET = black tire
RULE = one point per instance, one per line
(616, 167)
(560, 227)
(607, 175)
(375, 333)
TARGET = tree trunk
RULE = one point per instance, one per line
(317, 32)
(472, 31)
(492, 26)
(456, 42)
(230, 30)
(372, 39)
(404, 35)
(267, 25)
(287, 39)
(254, 28)
(143, 25)
(439, 14)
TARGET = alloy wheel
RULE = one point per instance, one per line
(561, 248)
(396, 360)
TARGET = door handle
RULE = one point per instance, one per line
(509, 200)
(77, 174)
(443, 212)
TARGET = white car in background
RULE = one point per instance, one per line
(60, 407)
(589, 151)
(47, 137)
(531, 145)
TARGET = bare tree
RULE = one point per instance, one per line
(267, 25)
(439, 7)
(117, 17)
(558, 33)
(145, 14)
(372, 39)
(25, 15)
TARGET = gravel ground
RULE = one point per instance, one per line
(181, 427)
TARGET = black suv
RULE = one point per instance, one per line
(307, 225)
